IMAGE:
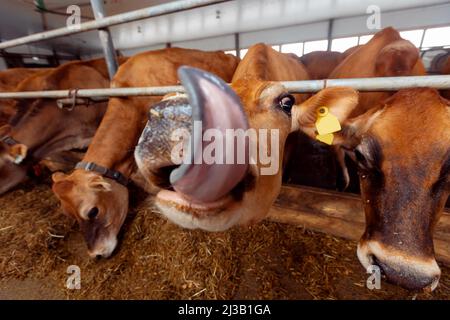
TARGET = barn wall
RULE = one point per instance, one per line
(30, 49)
(402, 20)
(216, 43)
(344, 27)
(131, 52)
(254, 20)
(2, 64)
(251, 16)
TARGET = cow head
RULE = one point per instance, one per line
(90, 199)
(40, 129)
(399, 58)
(215, 195)
(13, 169)
(403, 153)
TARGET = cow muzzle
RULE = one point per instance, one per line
(408, 271)
(179, 126)
(103, 248)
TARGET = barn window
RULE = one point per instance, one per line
(343, 44)
(415, 36)
(277, 48)
(319, 45)
(243, 52)
(365, 39)
(295, 48)
(437, 37)
(233, 52)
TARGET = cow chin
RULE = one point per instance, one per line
(103, 247)
(247, 203)
(214, 217)
(217, 215)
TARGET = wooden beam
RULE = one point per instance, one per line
(339, 214)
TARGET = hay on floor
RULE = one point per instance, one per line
(158, 260)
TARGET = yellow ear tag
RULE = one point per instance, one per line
(326, 138)
(326, 125)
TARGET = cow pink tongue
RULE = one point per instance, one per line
(214, 106)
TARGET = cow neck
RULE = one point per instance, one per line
(42, 136)
(105, 172)
(116, 138)
(35, 138)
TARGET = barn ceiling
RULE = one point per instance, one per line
(21, 17)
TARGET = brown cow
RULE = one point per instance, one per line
(386, 54)
(402, 148)
(320, 64)
(349, 51)
(99, 201)
(445, 69)
(9, 79)
(41, 129)
(216, 196)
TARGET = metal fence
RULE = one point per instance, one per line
(102, 22)
(308, 86)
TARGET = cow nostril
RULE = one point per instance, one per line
(98, 257)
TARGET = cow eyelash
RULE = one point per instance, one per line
(364, 165)
(285, 102)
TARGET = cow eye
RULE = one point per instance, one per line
(359, 156)
(286, 102)
(92, 214)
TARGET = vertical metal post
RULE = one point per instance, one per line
(330, 34)
(237, 45)
(105, 39)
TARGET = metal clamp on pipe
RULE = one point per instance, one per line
(70, 102)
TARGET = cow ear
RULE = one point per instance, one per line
(340, 102)
(97, 183)
(5, 130)
(18, 152)
(61, 185)
(58, 176)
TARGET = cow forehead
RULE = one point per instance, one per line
(416, 123)
(251, 91)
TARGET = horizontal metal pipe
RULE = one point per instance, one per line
(135, 15)
(371, 84)
(92, 93)
(308, 86)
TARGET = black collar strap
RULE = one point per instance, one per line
(9, 141)
(105, 172)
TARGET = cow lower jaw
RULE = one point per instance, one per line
(215, 220)
(199, 209)
(213, 216)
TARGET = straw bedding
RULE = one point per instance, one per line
(158, 260)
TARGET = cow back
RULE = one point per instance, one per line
(320, 64)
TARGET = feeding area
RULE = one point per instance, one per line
(225, 150)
